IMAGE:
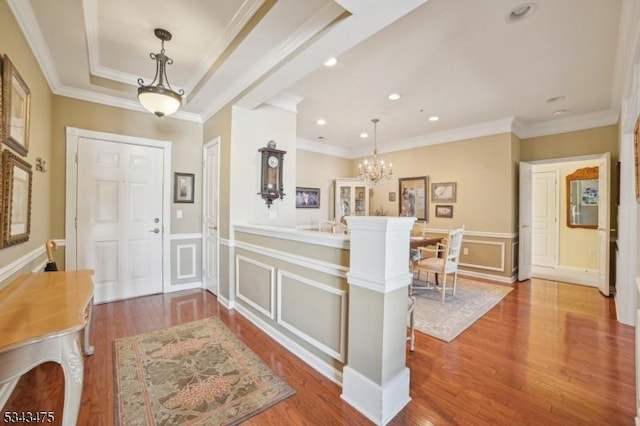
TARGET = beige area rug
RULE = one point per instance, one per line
(197, 373)
(446, 321)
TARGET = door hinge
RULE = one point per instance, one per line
(76, 158)
(75, 222)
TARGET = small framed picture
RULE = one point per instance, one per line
(183, 187)
(392, 196)
(307, 198)
(444, 211)
(443, 192)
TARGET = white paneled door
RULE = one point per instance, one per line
(119, 217)
(526, 219)
(544, 235)
(210, 215)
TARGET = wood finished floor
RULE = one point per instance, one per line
(548, 354)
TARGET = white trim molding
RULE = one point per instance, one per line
(73, 136)
(567, 274)
(271, 313)
(179, 250)
(190, 236)
(489, 243)
(303, 354)
(378, 403)
(337, 353)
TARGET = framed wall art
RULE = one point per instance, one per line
(16, 109)
(412, 201)
(183, 187)
(307, 198)
(17, 182)
(444, 211)
(443, 192)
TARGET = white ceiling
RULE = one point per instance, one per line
(457, 59)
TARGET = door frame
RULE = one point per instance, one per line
(606, 227)
(213, 142)
(71, 207)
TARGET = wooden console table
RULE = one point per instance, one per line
(42, 318)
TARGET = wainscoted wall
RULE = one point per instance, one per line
(486, 255)
(186, 261)
(33, 261)
(293, 285)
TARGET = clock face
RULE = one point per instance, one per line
(273, 161)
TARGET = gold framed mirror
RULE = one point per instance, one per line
(583, 198)
(17, 199)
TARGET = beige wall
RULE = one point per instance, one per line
(315, 170)
(220, 126)
(14, 45)
(582, 142)
(483, 169)
(186, 150)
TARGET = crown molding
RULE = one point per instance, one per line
(321, 148)
(99, 98)
(29, 26)
(468, 132)
(286, 101)
(270, 60)
(505, 125)
(570, 124)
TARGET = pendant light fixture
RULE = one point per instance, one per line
(373, 171)
(158, 97)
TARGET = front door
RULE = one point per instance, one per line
(120, 217)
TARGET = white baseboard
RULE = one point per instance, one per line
(185, 286)
(490, 277)
(588, 277)
(378, 404)
(314, 362)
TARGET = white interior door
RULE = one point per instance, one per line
(210, 215)
(120, 217)
(544, 229)
(524, 229)
(604, 223)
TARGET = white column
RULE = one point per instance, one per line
(376, 379)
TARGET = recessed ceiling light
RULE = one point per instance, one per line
(555, 99)
(321, 137)
(560, 112)
(321, 122)
(364, 135)
(394, 96)
(434, 118)
(520, 12)
(330, 62)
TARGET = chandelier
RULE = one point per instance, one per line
(158, 97)
(373, 171)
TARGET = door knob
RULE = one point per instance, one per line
(155, 230)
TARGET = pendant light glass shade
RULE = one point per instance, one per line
(158, 97)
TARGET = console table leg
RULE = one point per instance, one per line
(88, 348)
(73, 367)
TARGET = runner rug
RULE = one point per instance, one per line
(196, 373)
(447, 320)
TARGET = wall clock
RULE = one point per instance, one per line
(271, 186)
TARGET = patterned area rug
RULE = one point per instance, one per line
(196, 373)
(447, 320)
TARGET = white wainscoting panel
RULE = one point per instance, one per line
(186, 268)
(337, 353)
(268, 268)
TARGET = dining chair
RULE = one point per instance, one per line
(326, 226)
(445, 262)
